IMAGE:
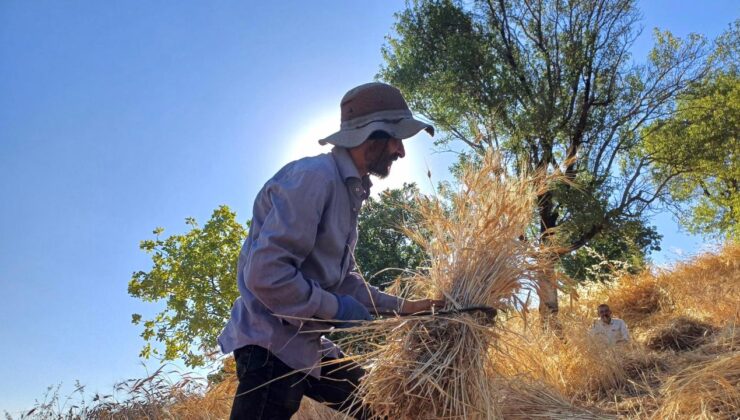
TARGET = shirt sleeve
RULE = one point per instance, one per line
(287, 236)
(625, 332)
(368, 295)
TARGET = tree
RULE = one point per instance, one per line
(628, 248)
(702, 142)
(381, 243)
(195, 273)
(549, 83)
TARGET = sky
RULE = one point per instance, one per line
(119, 117)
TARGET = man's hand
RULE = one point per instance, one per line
(349, 309)
(409, 307)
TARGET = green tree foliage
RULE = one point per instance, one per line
(381, 244)
(551, 84)
(195, 275)
(701, 142)
(628, 247)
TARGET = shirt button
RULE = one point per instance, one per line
(354, 209)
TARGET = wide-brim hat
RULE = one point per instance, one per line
(372, 107)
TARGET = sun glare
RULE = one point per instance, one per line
(412, 168)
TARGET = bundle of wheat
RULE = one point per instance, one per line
(441, 366)
(680, 334)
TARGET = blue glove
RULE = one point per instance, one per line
(349, 309)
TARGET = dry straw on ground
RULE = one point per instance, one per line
(708, 389)
(684, 359)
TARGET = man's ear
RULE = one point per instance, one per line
(377, 146)
(362, 147)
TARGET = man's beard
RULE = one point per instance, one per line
(381, 167)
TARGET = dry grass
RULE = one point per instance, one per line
(706, 288)
(156, 396)
(709, 389)
(683, 361)
(576, 365)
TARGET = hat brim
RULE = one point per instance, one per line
(403, 129)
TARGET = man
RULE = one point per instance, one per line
(612, 330)
(296, 270)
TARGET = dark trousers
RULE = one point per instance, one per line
(270, 390)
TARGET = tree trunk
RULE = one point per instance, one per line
(548, 295)
(548, 285)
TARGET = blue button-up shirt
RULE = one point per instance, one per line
(299, 253)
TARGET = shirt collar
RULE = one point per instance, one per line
(347, 168)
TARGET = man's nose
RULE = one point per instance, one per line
(401, 151)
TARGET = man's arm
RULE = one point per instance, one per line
(375, 300)
(625, 333)
(287, 236)
(368, 295)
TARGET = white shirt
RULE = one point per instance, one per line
(613, 333)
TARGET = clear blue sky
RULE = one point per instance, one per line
(117, 117)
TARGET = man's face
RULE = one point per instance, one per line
(382, 154)
(605, 314)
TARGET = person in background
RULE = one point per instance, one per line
(296, 271)
(612, 330)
